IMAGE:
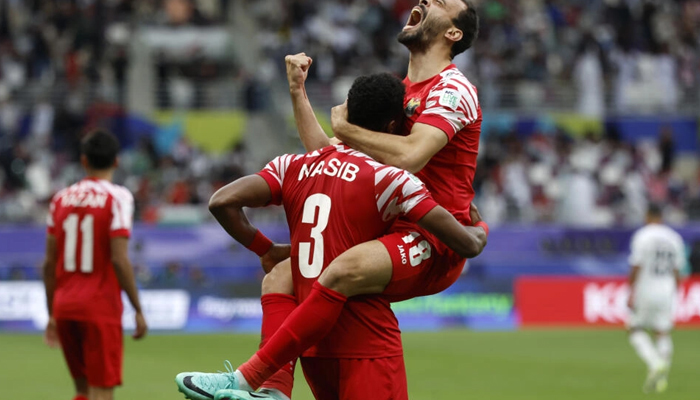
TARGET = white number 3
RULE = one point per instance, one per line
(320, 201)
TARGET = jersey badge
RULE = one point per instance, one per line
(449, 99)
(415, 179)
(411, 107)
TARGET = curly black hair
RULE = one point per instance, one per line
(376, 100)
(468, 22)
(101, 149)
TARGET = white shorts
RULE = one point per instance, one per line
(654, 313)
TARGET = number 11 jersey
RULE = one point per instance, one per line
(84, 218)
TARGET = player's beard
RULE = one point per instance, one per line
(418, 40)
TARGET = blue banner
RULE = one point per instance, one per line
(197, 279)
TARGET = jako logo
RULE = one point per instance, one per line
(402, 252)
(607, 302)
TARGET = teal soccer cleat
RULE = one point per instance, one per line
(203, 386)
(229, 394)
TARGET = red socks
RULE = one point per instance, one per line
(80, 397)
(310, 322)
(276, 309)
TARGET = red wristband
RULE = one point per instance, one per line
(260, 244)
(483, 225)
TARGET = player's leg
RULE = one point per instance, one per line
(101, 393)
(401, 261)
(70, 337)
(364, 269)
(367, 267)
(664, 345)
(644, 347)
(662, 326)
(81, 389)
(104, 353)
(277, 302)
(639, 320)
(379, 378)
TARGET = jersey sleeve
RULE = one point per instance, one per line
(274, 172)
(636, 250)
(451, 105)
(400, 193)
(122, 213)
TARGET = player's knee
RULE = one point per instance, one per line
(347, 276)
(279, 280)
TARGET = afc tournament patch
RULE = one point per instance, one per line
(449, 98)
(415, 179)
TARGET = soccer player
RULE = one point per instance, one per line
(86, 268)
(336, 198)
(657, 256)
(440, 145)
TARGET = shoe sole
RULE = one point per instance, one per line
(187, 396)
(180, 389)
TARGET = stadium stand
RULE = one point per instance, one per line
(590, 107)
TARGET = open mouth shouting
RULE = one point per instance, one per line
(415, 18)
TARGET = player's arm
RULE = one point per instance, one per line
(467, 241)
(49, 271)
(680, 260)
(635, 261)
(310, 132)
(49, 274)
(127, 280)
(410, 152)
(632, 280)
(227, 207)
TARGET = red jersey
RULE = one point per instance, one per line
(83, 218)
(336, 198)
(447, 101)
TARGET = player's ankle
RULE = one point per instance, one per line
(242, 381)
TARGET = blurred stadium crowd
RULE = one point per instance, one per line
(65, 66)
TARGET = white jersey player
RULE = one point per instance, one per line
(656, 259)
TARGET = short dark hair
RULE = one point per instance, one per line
(468, 22)
(100, 148)
(655, 210)
(375, 100)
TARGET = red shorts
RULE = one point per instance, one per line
(418, 270)
(353, 379)
(93, 350)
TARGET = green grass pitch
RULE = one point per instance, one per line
(457, 364)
